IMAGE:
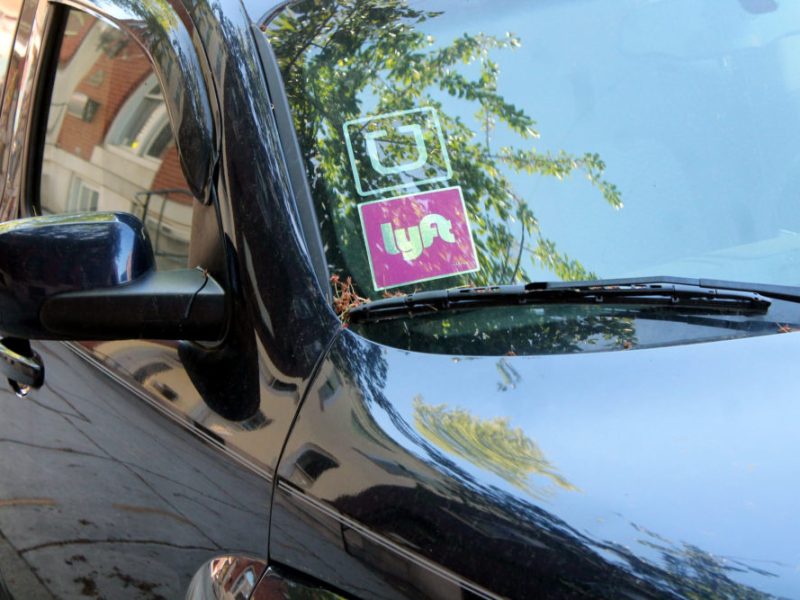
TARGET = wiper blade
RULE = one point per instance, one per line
(696, 294)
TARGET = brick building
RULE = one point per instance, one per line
(109, 144)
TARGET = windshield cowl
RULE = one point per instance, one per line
(656, 291)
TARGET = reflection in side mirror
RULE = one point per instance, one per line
(91, 276)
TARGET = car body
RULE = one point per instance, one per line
(304, 456)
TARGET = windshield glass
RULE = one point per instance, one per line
(453, 143)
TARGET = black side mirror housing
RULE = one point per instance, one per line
(92, 276)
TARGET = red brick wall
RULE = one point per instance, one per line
(170, 176)
(74, 36)
(123, 74)
(119, 77)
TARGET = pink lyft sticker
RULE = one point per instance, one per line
(417, 238)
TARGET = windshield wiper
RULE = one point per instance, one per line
(696, 294)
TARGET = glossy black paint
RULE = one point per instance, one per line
(663, 472)
(187, 304)
(291, 316)
(104, 287)
(95, 250)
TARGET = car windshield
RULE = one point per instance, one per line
(451, 143)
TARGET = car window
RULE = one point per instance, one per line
(448, 145)
(108, 143)
(9, 13)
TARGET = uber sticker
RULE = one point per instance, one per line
(397, 150)
(418, 237)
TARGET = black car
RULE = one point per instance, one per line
(399, 299)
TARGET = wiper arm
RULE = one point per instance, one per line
(697, 294)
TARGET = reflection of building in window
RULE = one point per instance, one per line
(81, 196)
(141, 126)
(109, 143)
(311, 462)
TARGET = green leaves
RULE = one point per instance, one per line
(491, 444)
(347, 59)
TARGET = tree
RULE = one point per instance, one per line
(337, 56)
(490, 444)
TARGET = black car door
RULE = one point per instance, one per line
(140, 463)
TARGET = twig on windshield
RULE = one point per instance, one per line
(345, 297)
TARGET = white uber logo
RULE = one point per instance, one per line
(397, 150)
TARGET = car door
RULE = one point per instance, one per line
(140, 463)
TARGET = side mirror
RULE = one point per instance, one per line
(91, 276)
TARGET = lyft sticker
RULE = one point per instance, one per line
(417, 238)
